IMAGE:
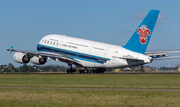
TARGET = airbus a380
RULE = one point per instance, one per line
(92, 54)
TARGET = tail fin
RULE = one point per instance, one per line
(140, 39)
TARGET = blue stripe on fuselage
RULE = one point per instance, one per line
(72, 54)
(86, 59)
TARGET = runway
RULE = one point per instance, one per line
(169, 73)
(100, 89)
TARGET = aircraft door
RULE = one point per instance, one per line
(113, 61)
(106, 51)
(60, 42)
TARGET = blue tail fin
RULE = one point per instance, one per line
(140, 39)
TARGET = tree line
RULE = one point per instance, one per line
(34, 68)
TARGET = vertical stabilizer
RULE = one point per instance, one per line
(140, 39)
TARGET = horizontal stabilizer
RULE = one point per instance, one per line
(160, 55)
(167, 57)
(163, 51)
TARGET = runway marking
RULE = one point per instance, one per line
(108, 89)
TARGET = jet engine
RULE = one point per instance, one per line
(38, 61)
(21, 58)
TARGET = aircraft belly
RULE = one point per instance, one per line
(86, 63)
(113, 63)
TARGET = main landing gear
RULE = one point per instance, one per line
(86, 71)
(83, 70)
(71, 70)
(99, 70)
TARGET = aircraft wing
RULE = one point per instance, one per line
(56, 56)
(160, 55)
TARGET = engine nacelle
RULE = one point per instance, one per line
(38, 61)
(21, 58)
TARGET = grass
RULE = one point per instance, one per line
(92, 81)
(86, 98)
(89, 98)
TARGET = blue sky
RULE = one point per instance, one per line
(24, 23)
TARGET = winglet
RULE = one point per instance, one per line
(10, 49)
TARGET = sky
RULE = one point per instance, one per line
(24, 23)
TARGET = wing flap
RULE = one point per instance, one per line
(60, 56)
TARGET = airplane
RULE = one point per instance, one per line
(96, 55)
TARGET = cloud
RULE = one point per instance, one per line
(142, 16)
(139, 16)
(161, 16)
(159, 22)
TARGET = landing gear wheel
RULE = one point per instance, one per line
(80, 71)
(68, 71)
(71, 70)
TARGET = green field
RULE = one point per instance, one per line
(62, 97)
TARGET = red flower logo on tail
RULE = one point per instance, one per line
(143, 30)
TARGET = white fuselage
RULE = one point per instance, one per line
(84, 50)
